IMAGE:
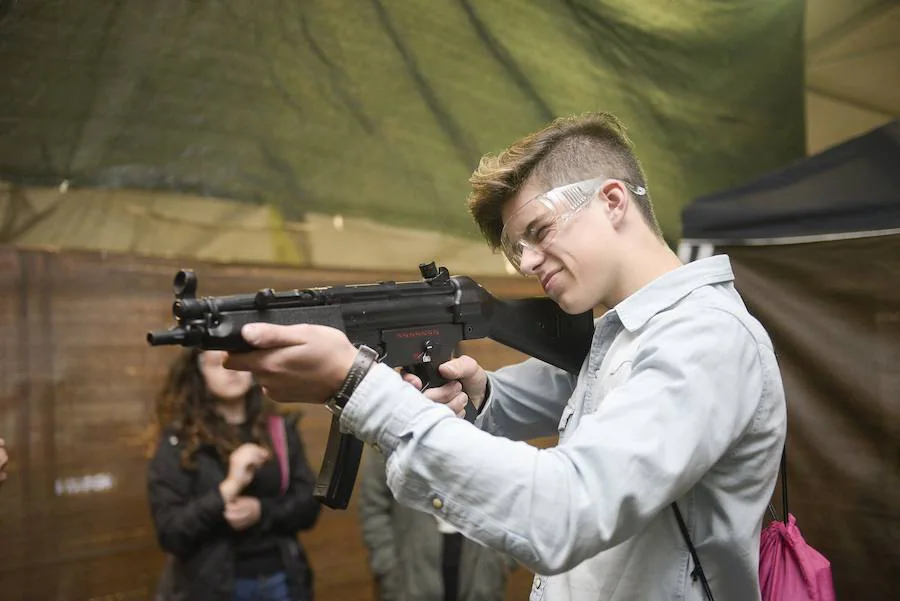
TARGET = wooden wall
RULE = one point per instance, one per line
(77, 383)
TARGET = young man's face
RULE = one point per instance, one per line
(579, 268)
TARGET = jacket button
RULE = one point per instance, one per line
(437, 503)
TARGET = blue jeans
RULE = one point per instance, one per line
(272, 588)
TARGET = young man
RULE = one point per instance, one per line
(680, 399)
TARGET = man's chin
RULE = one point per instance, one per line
(565, 303)
(570, 304)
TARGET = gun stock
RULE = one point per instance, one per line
(537, 327)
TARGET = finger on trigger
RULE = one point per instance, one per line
(413, 380)
(434, 394)
(444, 393)
(457, 403)
(451, 388)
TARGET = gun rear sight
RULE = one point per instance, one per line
(428, 270)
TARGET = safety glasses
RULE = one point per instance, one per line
(537, 223)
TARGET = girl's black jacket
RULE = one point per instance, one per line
(187, 511)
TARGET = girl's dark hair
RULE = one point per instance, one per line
(186, 404)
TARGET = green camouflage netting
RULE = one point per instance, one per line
(382, 108)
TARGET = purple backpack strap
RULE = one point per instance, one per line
(279, 441)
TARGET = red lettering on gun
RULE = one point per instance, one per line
(418, 333)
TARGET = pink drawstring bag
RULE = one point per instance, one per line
(789, 569)
(279, 441)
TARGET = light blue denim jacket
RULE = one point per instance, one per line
(679, 400)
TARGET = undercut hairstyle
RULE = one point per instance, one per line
(568, 150)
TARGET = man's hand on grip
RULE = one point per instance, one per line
(467, 383)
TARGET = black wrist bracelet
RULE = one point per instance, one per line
(484, 400)
(362, 363)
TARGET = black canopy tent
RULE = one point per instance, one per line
(849, 191)
(816, 253)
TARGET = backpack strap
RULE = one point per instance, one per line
(784, 490)
(784, 493)
(697, 572)
(279, 441)
(698, 569)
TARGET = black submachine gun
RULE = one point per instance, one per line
(415, 325)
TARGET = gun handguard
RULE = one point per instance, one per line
(415, 325)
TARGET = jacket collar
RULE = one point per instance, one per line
(663, 292)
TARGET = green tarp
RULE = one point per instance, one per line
(381, 108)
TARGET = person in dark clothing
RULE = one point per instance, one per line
(226, 509)
(414, 558)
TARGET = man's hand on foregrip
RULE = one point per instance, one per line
(297, 363)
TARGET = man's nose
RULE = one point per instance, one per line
(530, 261)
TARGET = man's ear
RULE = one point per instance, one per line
(615, 198)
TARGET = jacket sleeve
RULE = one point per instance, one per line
(181, 520)
(525, 400)
(695, 384)
(296, 509)
(375, 516)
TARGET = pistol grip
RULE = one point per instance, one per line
(428, 373)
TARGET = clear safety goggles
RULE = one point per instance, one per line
(536, 224)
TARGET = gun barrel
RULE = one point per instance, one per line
(193, 308)
(167, 337)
